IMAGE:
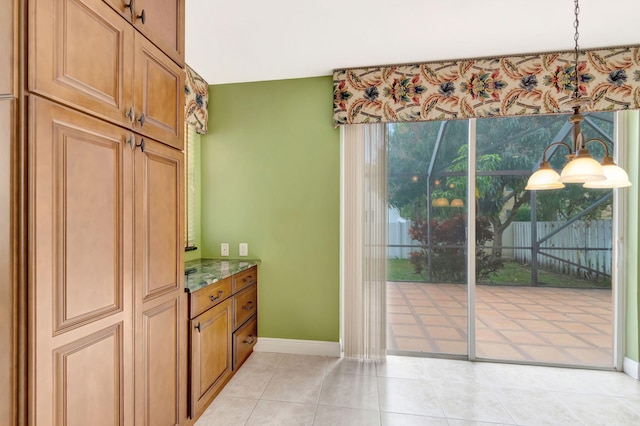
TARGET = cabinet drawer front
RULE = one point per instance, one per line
(245, 279)
(209, 296)
(245, 304)
(244, 339)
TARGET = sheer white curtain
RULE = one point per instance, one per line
(364, 248)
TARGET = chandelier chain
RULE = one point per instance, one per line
(576, 24)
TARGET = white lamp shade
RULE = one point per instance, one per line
(581, 170)
(543, 179)
(616, 177)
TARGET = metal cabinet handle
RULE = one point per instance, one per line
(248, 306)
(141, 144)
(198, 327)
(141, 119)
(250, 340)
(214, 298)
(131, 115)
(142, 16)
(131, 141)
(130, 6)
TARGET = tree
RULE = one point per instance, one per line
(508, 149)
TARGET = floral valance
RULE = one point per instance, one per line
(488, 87)
(196, 92)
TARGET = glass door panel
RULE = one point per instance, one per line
(427, 254)
(543, 291)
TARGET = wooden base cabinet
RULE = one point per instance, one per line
(211, 367)
(224, 330)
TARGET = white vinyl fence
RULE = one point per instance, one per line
(580, 234)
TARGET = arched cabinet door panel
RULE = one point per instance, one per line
(81, 277)
(161, 320)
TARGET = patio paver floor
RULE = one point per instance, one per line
(526, 324)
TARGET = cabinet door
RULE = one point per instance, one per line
(159, 95)
(161, 317)
(81, 54)
(211, 337)
(80, 268)
(163, 22)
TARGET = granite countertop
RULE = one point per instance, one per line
(200, 273)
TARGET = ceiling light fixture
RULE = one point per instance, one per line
(581, 167)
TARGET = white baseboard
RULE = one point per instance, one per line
(299, 347)
(632, 368)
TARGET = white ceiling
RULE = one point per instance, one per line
(231, 41)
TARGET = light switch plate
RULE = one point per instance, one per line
(244, 249)
(224, 249)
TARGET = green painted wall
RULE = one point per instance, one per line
(196, 193)
(632, 326)
(271, 178)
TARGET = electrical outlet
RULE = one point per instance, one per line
(224, 249)
(244, 249)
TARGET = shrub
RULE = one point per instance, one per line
(448, 247)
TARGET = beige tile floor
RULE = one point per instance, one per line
(283, 390)
(523, 324)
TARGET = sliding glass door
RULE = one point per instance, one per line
(542, 285)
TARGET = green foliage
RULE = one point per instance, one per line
(447, 253)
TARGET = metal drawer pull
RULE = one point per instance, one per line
(131, 114)
(198, 327)
(248, 306)
(250, 340)
(141, 119)
(131, 141)
(142, 16)
(141, 145)
(214, 298)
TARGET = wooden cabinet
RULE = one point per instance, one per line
(211, 347)
(161, 21)
(160, 304)
(224, 330)
(130, 82)
(81, 270)
(108, 316)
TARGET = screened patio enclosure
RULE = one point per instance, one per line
(542, 287)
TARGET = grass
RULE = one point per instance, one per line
(512, 273)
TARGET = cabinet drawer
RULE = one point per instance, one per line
(209, 296)
(245, 304)
(245, 279)
(244, 339)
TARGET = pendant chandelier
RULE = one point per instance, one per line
(581, 167)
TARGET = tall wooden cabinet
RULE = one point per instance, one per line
(11, 204)
(103, 120)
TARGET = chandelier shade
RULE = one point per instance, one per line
(544, 178)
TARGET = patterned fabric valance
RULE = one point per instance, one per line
(196, 92)
(489, 87)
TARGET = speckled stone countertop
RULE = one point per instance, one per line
(200, 273)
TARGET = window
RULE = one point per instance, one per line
(189, 188)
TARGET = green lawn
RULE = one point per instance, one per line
(513, 273)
